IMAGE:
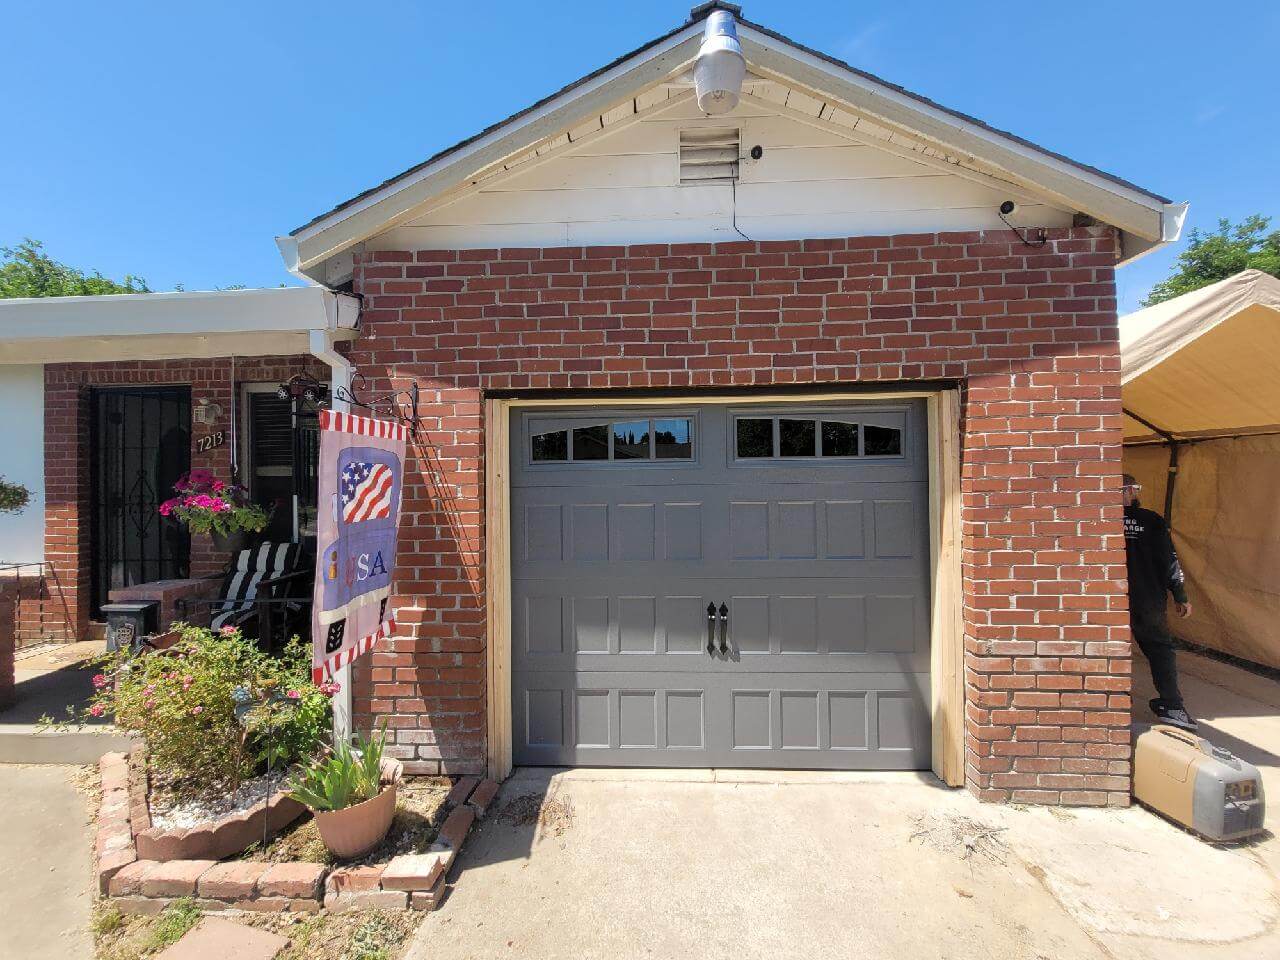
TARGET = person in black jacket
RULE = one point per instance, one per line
(1154, 573)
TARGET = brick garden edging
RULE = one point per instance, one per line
(145, 885)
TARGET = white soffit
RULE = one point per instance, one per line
(156, 326)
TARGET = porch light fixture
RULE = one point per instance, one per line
(207, 411)
(720, 68)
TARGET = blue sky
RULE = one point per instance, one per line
(176, 140)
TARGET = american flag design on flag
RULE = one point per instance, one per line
(358, 493)
(366, 491)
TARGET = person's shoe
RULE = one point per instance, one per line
(1174, 716)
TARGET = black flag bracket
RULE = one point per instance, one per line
(402, 405)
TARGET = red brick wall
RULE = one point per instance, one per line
(20, 595)
(66, 451)
(1029, 331)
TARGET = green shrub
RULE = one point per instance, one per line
(214, 709)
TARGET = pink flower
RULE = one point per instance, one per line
(97, 710)
(200, 477)
(227, 630)
(294, 694)
(218, 486)
(329, 689)
(148, 703)
(196, 711)
(99, 681)
(166, 508)
(149, 689)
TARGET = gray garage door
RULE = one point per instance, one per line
(731, 586)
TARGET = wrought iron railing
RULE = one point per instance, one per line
(32, 619)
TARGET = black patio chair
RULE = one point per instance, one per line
(266, 592)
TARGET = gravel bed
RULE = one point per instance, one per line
(191, 813)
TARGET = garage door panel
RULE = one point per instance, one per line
(820, 565)
(611, 719)
(796, 618)
(886, 727)
(588, 533)
(797, 721)
(870, 532)
(565, 623)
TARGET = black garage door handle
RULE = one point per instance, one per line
(711, 629)
(724, 628)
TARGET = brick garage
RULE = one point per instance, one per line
(67, 506)
(546, 257)
(1028, 333)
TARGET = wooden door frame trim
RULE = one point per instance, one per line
(946, 629)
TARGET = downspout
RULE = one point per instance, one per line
(1173, 443)
(341, 369)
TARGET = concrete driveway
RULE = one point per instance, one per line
(46, 877)
(708, 864)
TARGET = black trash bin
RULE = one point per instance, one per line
(128, 622)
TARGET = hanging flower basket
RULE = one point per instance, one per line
(209, 505)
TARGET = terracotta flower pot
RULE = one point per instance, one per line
(357, 830)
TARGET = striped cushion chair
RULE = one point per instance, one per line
(267, 561)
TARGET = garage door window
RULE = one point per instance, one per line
(772, 438)
(657, 438)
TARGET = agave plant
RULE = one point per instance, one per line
(348, 776)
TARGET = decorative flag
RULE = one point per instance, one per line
(361, 469)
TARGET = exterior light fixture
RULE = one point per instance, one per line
(720, 68)
(207, 411)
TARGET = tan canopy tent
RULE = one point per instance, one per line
(1201, 394)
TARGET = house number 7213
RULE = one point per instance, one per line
(209, 442)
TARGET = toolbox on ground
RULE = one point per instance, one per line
(1200, 786)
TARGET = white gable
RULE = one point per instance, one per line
(620, 184)
(597, 163)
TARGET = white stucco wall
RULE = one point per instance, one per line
(22, 459)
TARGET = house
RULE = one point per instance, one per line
(782, 430)
(1202, 434)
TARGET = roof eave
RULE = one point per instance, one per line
(161, 326)
(1104, 197)
(1147, 219)
(383, 206)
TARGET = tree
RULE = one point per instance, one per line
(27, 271)
(13, 496)
(1222, 253)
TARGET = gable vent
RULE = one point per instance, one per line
(709, 155)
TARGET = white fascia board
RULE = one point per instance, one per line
(156, 325)
(384, 207)
(1022, 161)
(1134, 247)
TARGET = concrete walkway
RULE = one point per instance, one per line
(45, 871)
(48, 680)
(668, 864)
